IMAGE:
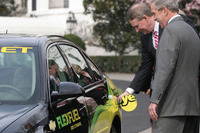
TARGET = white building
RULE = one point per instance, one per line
(49, 17)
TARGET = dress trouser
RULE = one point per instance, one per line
(176, 124)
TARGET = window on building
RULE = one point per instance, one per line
(66, 3)
(33, 5)
(23, 3)
(58, 4)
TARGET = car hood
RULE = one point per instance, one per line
(10, 113)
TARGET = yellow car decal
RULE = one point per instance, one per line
(14, 49)
(108, 111)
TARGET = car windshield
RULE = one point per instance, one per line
(18, 74)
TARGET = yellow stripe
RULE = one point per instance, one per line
(103, 130)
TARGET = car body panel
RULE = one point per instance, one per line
(32, 120)
(10, 113)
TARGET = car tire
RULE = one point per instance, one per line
(113, 129)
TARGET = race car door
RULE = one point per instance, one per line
(65, 115)
(96, 93)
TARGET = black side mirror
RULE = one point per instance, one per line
(67, 90)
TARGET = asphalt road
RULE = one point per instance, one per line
(137, 120)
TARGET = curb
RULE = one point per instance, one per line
(121, 76)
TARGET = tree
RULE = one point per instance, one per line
(7, 7)
(76, 40)
(190, 7)
(112, 27)
(4, 11)
(13, 7)
(192, 10)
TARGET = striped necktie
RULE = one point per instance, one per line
(155, 33)
(57, 81)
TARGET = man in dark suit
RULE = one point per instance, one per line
(175, 105)
(141, 18)
(53, 75)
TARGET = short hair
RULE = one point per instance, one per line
(172, 5)
(51, 63)
(137, 11)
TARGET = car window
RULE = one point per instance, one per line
(78, 65)
(95, 71)
(58, 70)
(18, 72)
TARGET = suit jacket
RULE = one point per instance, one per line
(142, 79)
(143, 76)
(176, 75)
(53, 85)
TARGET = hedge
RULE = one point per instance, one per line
(122, 64)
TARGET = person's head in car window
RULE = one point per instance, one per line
(53, 68)
(80, 71)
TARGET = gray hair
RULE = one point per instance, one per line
(172, 5)
(138, 11)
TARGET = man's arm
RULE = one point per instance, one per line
(142, 79)
(166, 59)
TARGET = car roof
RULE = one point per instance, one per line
(27, 39)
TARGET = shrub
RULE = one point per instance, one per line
(76, 39)
(123, 64)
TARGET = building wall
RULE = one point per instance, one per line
(84, 27)
(43, 8)
(53, 21)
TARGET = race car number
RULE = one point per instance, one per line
(14, 49)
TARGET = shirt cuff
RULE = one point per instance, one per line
(130, 90)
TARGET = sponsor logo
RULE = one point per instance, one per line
(69, 118)
(128, 103)
(52, 125)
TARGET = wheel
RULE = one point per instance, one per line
(13, 88)
(113, 129)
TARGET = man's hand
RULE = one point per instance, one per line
(122, 95)
(152, 111)
(147, 92)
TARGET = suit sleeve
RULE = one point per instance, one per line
(166, 59)
(142, 79)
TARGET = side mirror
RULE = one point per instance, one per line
(67, 90)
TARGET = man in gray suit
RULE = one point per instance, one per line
(175, 103)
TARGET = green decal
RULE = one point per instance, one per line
(68, 118)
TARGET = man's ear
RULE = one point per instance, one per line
(165, 10)
(145, 17)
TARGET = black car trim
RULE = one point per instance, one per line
(95, 85)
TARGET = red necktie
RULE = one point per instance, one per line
(57, 81)
(156, 39)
